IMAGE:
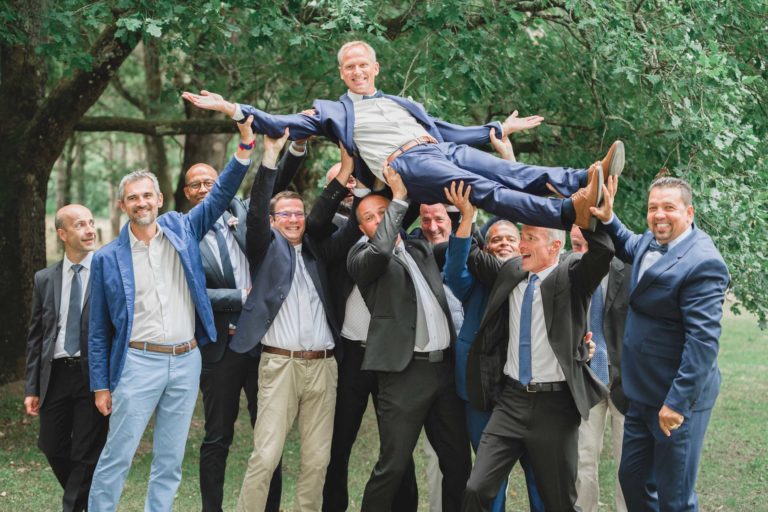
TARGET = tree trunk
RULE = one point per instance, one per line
(157, 161)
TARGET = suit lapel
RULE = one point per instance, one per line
(666, 262)
(237, 230)
(210, 260)
(432, 278)
(548, 291)
(125, 264)
(615, 280)
(349, 128)
(509, 277)
(57, 277)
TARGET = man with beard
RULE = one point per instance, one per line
(149, 313)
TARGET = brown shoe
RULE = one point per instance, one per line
(591, 195)
(613, 163)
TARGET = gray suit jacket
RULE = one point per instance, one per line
(44, 329)
(389, 293)
(614, 318)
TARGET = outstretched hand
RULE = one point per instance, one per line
(395, 182)
(272, 148)
(502, 146)
(514, 124)
(458, 196)
(604, 212)
(210, 101)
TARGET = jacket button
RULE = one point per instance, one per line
(269, 322)
(282, 297)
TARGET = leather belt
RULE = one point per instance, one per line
(174, 350)
(67, 361)
(538, 387)
(299, 354)
(436, 356)
(418, 141)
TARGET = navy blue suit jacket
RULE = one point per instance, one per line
(336, 120)
(113, 285)
(672, 332)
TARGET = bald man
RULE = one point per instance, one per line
(225, 372)
(72, 431)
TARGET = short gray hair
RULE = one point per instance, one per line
(686, 193)
(136, 176)
(555, 235)
(350, 44)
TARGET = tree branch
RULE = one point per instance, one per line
(130, 98)
(155, 127)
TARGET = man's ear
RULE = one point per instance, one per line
(160, 200)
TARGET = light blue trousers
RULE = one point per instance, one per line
(150, 383)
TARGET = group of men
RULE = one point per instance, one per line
(497, 342)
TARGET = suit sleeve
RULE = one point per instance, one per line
(456, 271)
(587, 272)
(485, 267)
(202, 217)
(100, 330)
(319, 223)
(367, 262)
(470, 135)
(34, 341)
(259, 234)
(624, 240)
(337, 245)
(287, 168)
(301, 126)
(701, 305)
(225, 299)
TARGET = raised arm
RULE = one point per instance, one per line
(290, 164)
(587, 272)
(625, 241)
(456, 271)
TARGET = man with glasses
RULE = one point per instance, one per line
(224, 372)
(289, 320)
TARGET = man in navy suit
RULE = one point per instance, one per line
(669, 358)
(429, 153)
(149, 313)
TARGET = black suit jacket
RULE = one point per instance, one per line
(272, 262)
(614, 318)
(390, 294)
(44, 329)
(565, 295)
(227, 302)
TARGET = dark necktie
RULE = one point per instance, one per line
(226, 263)
(72, 334)
(599, 363)
(657, 247)
(377, 94)
(526, 314)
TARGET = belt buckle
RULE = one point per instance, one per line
(530, 389)
(436, 356)
(187, 343)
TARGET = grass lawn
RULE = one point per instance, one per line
(733, 473)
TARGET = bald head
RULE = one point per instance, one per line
(198, 181)
(76, 229)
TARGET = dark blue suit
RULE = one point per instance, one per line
(669, 358)
(427, 168)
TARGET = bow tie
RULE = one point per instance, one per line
(657, 247)
(377, 94)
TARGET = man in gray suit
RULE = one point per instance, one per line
(607, 316)
(72, 431)
(225, 372)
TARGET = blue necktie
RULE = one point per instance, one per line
(599, 361)
(525, 331)
(72, 334)
(657, 247)
(377, 94)
(226, 263)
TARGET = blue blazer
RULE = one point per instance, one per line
(113, 285)
(473, 296)
(672, 332)
(336, 120)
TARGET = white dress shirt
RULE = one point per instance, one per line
(163, 310)
(544, 365)
(300, 324)
(66, 286)
(357, 318)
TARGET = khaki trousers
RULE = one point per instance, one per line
(289, 387)
(590, 446)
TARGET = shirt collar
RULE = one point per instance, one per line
(86, 263)
(357, 97)
(545, 273)
(134, 241)
(680, 238)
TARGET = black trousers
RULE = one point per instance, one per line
(422, 395)
(221, 383)
(355, 385)
(72, 432)
(546, 424)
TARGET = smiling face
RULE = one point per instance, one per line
(141, 202)
(370, 213)
(503, 240)
(668, 216)
(288, 219)
(435, 223)
(199, 181)
(358, 70)
(539, 252)
(76, 230)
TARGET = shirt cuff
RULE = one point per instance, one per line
(238, 113)
(360, 192)
(402, 202)
(243, 161)
(296, 152)
(244, 296)
(613, 215)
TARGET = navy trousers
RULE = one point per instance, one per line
(511, 190)
(658, 473)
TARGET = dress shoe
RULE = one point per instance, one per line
(591, 195)
(613, 163)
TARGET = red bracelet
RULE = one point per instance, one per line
(247, 147)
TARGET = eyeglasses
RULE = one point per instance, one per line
(288, 215)
(195, 185)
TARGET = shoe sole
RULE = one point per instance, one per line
(601, 181)
(617, 161)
